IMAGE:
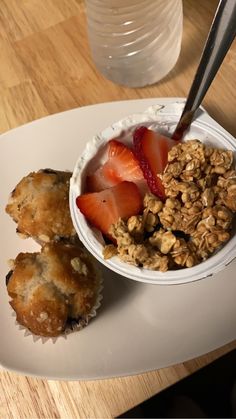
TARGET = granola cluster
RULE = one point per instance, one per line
(194, 221)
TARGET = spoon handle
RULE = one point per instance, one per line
(220, 37)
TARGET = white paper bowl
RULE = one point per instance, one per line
(203, 128)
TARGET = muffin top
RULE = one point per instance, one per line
(51, 288)
(39, 204)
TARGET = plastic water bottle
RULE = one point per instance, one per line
(135, 42)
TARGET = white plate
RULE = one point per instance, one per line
(167, 324)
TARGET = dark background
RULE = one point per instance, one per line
(210, 392)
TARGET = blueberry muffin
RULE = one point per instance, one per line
(39, 205)
(54, 289)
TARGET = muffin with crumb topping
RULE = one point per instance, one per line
(39, 205)
(55, 290)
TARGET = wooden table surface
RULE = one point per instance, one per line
(46, 68)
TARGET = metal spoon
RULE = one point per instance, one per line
(220, 37)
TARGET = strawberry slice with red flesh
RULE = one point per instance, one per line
(151, 149)
(102, 209)
(123, 162)
(121, 165)
(99, 181)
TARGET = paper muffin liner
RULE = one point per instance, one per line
(75, 325)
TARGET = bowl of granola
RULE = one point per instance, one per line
(155, 210)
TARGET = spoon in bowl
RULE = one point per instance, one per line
(219, 40)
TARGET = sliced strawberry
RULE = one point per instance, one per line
(122, 162)
(99, 181)
(102, 209)
(121, 165)
(151, 149)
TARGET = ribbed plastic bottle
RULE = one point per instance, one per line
(134, 42)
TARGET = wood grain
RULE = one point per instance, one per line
(46, 68)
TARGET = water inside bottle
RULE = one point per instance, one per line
(135, 42)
